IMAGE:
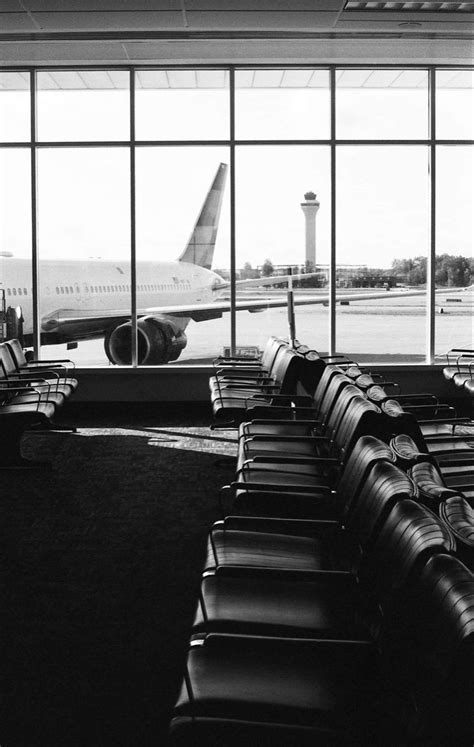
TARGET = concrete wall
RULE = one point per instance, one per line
(190, 384)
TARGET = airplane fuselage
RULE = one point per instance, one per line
(102, 289)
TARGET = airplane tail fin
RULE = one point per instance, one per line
(200, 248)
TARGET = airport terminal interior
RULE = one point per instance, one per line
(236, 373)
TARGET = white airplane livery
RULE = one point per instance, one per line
(89, 299)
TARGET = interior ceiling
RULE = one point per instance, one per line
(41, 32)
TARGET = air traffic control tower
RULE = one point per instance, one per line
(310, 207)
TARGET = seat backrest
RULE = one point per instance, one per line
(376, 393)
(353, 416)
(406, 451)
(458, 515)
(399, 421)
(7, 365)
(436, 627)
(311, 368)
(344, 397)
(17, 353)
(270, 351)
(331, 384)
(364, 381)
(366, 452)
(409, 534)
(384, 486)
(286, 369)
(429, 485)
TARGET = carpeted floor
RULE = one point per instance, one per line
(101, 559)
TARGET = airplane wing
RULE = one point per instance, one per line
(271, 280)
(75, 322)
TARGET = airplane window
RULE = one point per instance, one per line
(66, 289)
(20, 292)
(57, 289)
(71, 289)
(14, 291)
(9, 292)
(25, 292)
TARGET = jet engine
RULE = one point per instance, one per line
(158, 341)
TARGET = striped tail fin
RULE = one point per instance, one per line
(200, 248)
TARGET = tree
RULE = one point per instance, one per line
(268, 268)
(450, 271)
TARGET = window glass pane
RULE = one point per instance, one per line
(455, 104)
(383, 224)
(84, 248)
(14, 107)
(381, 104)
(182, 104)
(272, 183)
(455, 241)
(183, 240)
(83, 105)
(282, 104)
(15, 239)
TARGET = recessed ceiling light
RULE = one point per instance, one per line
(420, 6)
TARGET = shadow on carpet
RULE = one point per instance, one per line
(101, 564)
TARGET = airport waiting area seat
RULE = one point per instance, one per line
(336, 604)
(64, 368)
(285, 382)
(29, 400)
(459, 369)
(401, 683)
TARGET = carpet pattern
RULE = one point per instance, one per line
(101, 560)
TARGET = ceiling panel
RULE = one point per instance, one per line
(113, 21)
(267, 78)
(319, 79)
(99, 5)
(16, 23)
(244, 21)
(455, 78)
(212, 78)
(411, 79)
(152, 79)
(353, 78)
(31, 53)
(399, 49)
(181, 78)
(381, 79)
(265, 6)
(296, 78)
(14, 81)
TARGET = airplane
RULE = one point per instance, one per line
(89, 299)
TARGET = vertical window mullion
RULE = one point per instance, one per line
(333, 258)
(431, 260)
(233, 290)
(34, 220)
(133, 235)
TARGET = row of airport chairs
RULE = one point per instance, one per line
(31, 394)
(333, 609)
(459, 369)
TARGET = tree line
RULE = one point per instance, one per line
(451, 271)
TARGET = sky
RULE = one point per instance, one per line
(383, 194)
